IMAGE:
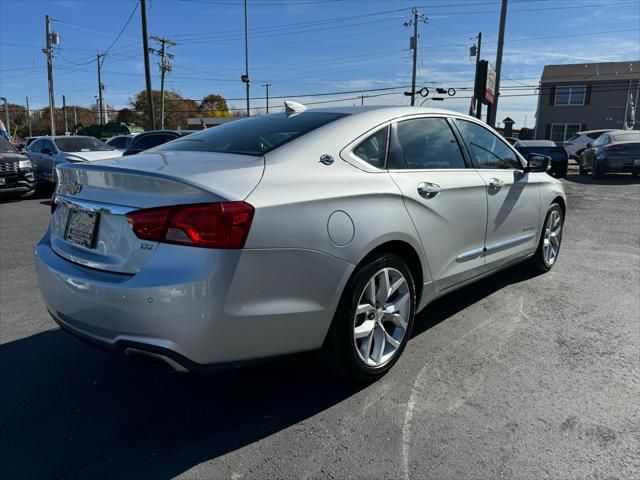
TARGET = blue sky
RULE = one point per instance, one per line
(307, 47)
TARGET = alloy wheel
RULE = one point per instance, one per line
(552, 237)
(382, 317)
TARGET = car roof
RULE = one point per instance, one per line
(603, 130)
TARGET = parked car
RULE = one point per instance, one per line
(16, 172)
(47, 153)
(557, 153)
(615, 151)
(576, 144)
(28, 141)
(324, 229)
(120, 142)
(511, 140)
(153, 138)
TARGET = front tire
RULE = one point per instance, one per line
(549, 246)
(374, 319)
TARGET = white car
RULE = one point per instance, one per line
(576, 144)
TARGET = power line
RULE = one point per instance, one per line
(123, 28)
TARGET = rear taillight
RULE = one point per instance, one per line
(209, 225)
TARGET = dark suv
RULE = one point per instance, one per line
(16, 172)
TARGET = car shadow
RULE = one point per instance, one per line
(68, 410)
(454, 302)
(607, 179)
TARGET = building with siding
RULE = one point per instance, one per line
(587, 96)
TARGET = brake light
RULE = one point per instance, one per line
(209, 225)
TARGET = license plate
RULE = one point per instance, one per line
(2, 181)
(81, 227)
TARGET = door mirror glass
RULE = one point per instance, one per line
(537, 163)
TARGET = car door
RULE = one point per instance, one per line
(34, 154)
(48, 151)
(512, 196)
(444, 195)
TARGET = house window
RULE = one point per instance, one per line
(560, 132)
(572, 95)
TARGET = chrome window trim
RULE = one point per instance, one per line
(91, 206)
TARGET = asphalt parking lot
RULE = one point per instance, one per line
(514, 377)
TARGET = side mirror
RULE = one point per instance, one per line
(537, 163)
(589, 145)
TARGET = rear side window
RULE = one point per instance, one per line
(602, 140)
(424, 143)
(120, 142)
(373, 150)
(487, 149)
(594, 135)
(36, 146)
(255, 135)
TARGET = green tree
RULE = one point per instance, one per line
(128, 116)
(213, 105)
(176, 110)
(525, 134)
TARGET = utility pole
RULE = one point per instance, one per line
(245, 77)
(48, 51)
(100, 87)
(267, 85)
(75, 119)
(478, 99)
(493, 110)
(362, 99)
(165, 66)
(64, 113)
(413, 45)
(147, 71)
(29, 117)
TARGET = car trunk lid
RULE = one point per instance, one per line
(89, 225)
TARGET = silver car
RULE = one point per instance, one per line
(318, 229)
(46, 153)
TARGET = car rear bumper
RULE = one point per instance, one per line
(212, 307)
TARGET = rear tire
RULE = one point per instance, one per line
(364, 343)
(550, 240)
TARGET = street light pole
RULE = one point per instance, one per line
(267, 85)
(478, 99)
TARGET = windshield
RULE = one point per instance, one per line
(81, 144)
(5, 146)
(253, 136)
(627, 137)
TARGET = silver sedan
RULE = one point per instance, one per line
(310, 229)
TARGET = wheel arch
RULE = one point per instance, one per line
(563, 204)
(408, 253)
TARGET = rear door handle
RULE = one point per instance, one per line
(428, 190)
(496, 183)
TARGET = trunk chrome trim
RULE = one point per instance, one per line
(470, 255)
(96, 207)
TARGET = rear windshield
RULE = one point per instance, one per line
(253, 136)
(81, 144)
(5, 146)
(626, 137)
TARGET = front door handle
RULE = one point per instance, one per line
(496, 183)
(428, 190)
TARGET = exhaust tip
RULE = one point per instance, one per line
(155, 357)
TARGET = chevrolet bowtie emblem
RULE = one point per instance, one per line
(74, 188)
